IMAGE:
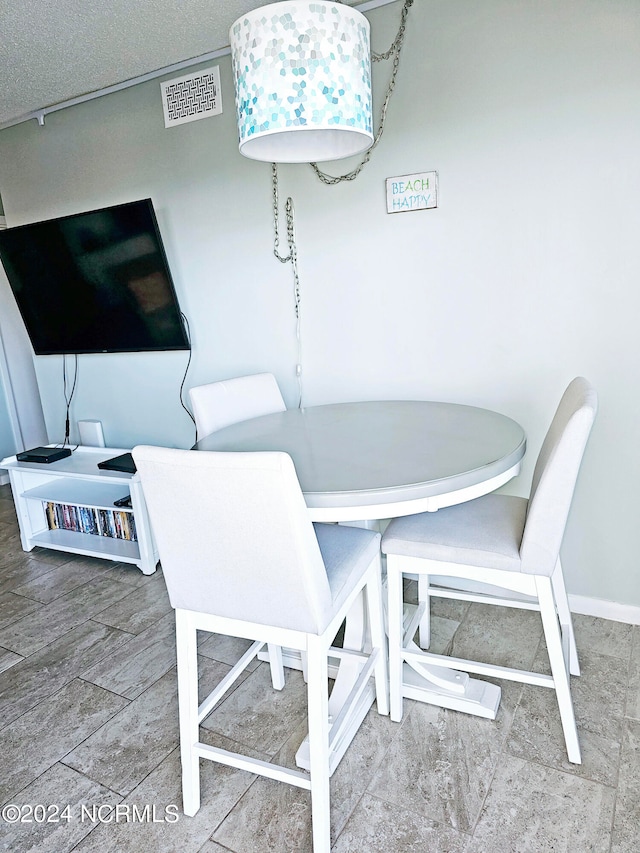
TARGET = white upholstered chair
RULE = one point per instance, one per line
(241, 558)
(220, 404)
(510, 543)
(229, 401)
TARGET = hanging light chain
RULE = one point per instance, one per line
(276, 217)
(292, 258)
(396, 45)
(395, 50)
(293, 254)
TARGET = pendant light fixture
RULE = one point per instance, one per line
(302, 74)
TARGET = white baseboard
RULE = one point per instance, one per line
(4, 478)
(629, 613)
(604, 609)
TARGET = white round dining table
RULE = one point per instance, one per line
(382, 459)
(361, 462)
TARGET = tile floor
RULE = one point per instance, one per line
(88, 720)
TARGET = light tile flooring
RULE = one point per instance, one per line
(88, 719)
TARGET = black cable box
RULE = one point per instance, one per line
(43, 454)
(124, 462)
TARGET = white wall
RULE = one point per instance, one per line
(525, 276)
(7, 445)
(22, 422)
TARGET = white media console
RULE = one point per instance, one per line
(58, 503)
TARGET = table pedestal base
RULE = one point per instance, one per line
(446, 688)
(338, 749)
(353, 692)
(479, 698)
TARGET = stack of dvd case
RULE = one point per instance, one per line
(114, 523)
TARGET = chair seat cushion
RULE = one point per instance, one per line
(484, 532)
(347, 553)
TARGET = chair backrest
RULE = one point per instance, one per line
(234, 536)
(220, 404)
(555, 475)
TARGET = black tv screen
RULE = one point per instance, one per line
(94, 282)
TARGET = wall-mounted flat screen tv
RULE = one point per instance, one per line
(94, 282)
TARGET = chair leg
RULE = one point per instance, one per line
(318, 715)
(378, 641)
(559, 669)
(187, 660)
(424, 630)
(276, 666)
(562, 603)
(395, 628)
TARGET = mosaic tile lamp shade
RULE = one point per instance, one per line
(302, 75)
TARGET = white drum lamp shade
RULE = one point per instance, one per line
(302, 74)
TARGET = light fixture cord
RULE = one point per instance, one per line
(394, 51)
(68, 396)
(291, 258)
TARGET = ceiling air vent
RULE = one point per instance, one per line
(192, 97)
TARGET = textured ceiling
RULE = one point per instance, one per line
(55, 50)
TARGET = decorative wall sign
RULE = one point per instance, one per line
(412, 192)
